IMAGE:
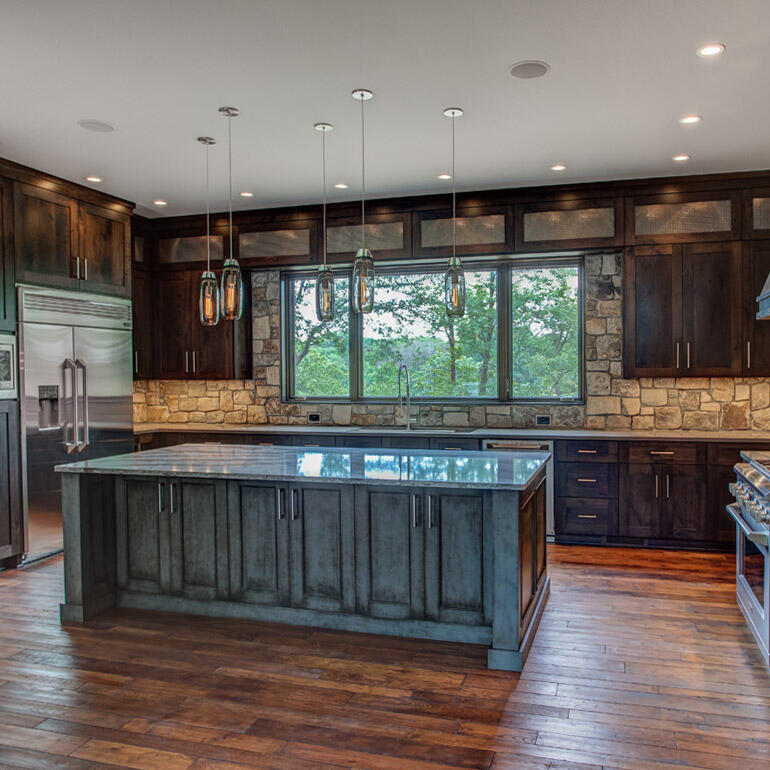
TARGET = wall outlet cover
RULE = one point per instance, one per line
(543, 419)
(314, 417)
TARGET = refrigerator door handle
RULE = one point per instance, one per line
(86, 437)
(71, 446)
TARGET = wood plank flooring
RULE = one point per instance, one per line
(642, 660)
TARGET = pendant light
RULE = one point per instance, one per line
(363, 267)
(454, 278)
(231, 291)
(324, 283)
(208, 303)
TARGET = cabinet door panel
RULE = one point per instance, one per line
(389, 553)
(10, 502)
(322, 548)
(198, 539)
(173, 320)
(7, 291)
(46, 236)
(143, 535)
(213, 346)
(684, 511)
(259, 545)
(639, 502)
(105, 244)
(712, 309)
(457, 544)
(142, 324)
(652, 311)
(756, 334)
(720, 525)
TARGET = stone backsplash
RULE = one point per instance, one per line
(612, 403)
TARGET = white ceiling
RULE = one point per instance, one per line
(622, 73)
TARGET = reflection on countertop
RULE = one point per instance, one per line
(492, 470)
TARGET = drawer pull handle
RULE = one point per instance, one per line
(660, 452)
(587, 481)
(311, 445)
(453, 448)
(586, 451)
(265, 443)
(586, 515)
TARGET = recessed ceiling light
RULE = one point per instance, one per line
(681, 157)
(94, 179)
(531, 68)
(245, 194)
(711, 49)
(341, 186)
(688, 120)
(444, 176)
(160, 203)
(100, 126)
(558, 167)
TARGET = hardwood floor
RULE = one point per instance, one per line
(642, 660)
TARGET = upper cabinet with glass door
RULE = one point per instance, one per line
(569, 224)
(479, 230)
(279, 243)
(683, 217)
(387, 236)
(756, 213)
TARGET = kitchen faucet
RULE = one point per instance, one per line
(404, 368)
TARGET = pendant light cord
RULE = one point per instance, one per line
(323, 165)
(208, 212)
(230, 183)
(454, 195)
(363, 178)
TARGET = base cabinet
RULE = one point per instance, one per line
(390, 560)
(10, 484)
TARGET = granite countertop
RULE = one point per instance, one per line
(478, 470)
(540, 434)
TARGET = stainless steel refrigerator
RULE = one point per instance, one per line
(75, 378)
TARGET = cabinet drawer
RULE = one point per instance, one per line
(586, 480)
(729, 454)
(360, 442)
(587, 451)
(661, 452)
(584, 516)
(462, 444)
(310, 440)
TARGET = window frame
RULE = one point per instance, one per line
(504, 265)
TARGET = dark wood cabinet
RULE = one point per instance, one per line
(682, 310)
(187, 350)
(46, 237)
(480, 230)
(639, 501)
(756, 334)
(390, 578)
(7, 281)
(662, 501)
(652, 311)
(105, 250)
(321, 536)
(10, 484)
(142, 324)
(712, 309)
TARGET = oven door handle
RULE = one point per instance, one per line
(760, 538)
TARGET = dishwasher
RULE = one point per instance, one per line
(522, 445)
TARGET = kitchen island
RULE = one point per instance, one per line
(437, 545)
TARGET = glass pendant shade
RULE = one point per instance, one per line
(363, 282)
(231, 292)
(208, 304)
(454, 289)
(324, 294)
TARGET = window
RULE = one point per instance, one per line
(320, 352)
(520, 338)
(545, 333)
(447, 358)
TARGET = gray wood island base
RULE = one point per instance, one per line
(430, 544)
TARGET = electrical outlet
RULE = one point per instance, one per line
(543, 419)
(314, 417)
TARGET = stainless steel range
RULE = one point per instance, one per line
(751, 512)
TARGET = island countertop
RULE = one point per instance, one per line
(480, 470)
